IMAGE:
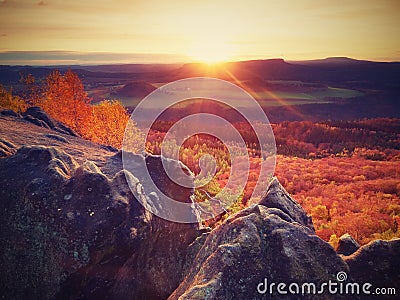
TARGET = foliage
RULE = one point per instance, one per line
(334, 241)
(7, 100)
(34, 90)
(345, 194)
(64, 98)
(109, 120)
(316, 140)
(345, 177)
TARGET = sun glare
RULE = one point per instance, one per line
(210, 51)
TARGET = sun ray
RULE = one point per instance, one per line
(272, 95)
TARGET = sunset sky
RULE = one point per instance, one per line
(169, 31)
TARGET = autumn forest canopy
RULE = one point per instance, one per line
(344, 173)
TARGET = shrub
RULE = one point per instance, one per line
(109, 120)
(7, 100)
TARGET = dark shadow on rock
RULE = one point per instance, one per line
(6, 148)
(377, 263)
(347, 245)
(37, 116)
(9, 112)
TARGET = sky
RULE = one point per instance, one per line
(173, 31)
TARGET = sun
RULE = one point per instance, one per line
(210, 51)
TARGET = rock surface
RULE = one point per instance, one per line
(260, 243)
(37, 116)
(75, 233)
(6, 148)
(377, 263)
(347, 245)
(277, 197)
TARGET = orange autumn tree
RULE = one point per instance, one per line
(66, 100)
(109, 120)
(63, 97)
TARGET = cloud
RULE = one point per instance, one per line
(41, 3)
(3, 35)
(84, 58)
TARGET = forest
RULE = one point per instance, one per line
(344, 173)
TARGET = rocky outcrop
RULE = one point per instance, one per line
(6, 148)
(257, 245)
(277, 197)
(8, 112)
(37, 116)
(76, 233)
(35, 252)
(155, 268)
(347, 245)
(377, 263)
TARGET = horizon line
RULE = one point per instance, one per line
(87, 58)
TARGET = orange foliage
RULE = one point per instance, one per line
(108, 123)
(63, 97)
(7, 100)
(356, 192)
(66, 100)
(350, 194)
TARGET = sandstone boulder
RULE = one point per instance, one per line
(73, 232)
(377, 263)
(347, 245)
(261, 245)
(37, 116)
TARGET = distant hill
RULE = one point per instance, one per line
(330, 60)
(330, 70)
(135, 90)
(335, 70)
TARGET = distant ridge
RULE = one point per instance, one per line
(332, 71)
(95, 59)
(334, 60)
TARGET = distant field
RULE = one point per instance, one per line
(313, 96)
(271, 98)
(128, 101)
(290, 101)
(337, 93)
